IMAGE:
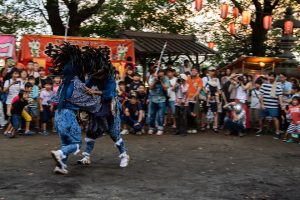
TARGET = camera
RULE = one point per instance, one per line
(241, 78)
(180, 80)
(17, 82)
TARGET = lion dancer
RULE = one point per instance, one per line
(107, 120)
(71, 96)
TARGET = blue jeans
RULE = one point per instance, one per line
(131, 122)
(15, 121)
(69, 131)
(234, 127)
(157, 109)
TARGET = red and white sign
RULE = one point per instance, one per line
(8, 46)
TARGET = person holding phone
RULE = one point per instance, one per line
(12, 87)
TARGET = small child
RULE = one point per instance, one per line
(45, 107)
(16, 111)
(181, 104)
(32, 107)
(237, 122)
(294, 127)
(133, 115)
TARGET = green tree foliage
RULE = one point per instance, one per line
(151, 15)
(12, 20)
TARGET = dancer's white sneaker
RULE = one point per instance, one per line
(86, 160)
(58, 170)
(124, 160)
(58, 156)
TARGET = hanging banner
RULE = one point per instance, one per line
(8, 46)
(37, 46)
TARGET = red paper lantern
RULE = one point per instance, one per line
(288, 27)
(198, 5)
(224, 10)
(172, 1)
(267, 22)
(232, 28)
(246, 18)
(211, 45)
(235, 12)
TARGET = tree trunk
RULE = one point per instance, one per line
(258, 36)
(76, 16)
(54, 19)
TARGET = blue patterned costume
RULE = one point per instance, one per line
(105, 121)
(71, 97)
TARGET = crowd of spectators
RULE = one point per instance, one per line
(184, 100)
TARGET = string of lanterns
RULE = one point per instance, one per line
(246, 19)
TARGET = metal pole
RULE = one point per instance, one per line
(66, 28)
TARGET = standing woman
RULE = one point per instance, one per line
(242, 94)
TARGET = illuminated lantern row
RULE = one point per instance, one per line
(198, 5)
(172, 1)
(235, 12)
(224, 10)
(288, 27)
(232, 28)
(267, 22)
(246, 18)
(211, 45)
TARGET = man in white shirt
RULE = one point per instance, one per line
(172, 96)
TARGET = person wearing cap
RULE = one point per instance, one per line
(237, 122)
(158, 85)
(134, 85)
(133, 114)
(181, 104)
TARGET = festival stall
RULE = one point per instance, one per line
(37, 48)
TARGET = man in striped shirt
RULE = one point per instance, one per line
(270, 99)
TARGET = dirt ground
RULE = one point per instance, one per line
(199, 166)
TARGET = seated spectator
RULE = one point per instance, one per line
(142, 97)
(133, 115)
(16, 111)
(236, 124)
